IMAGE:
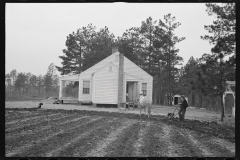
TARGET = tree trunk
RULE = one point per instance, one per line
(150, 50)
(201, 97)
(192, 99)
(169, 75)
(222, 112)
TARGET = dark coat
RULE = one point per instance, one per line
(184, 103)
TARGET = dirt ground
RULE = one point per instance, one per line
(193, 114)
(57, 132)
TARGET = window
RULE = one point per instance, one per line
(86, 87)
(144, 88)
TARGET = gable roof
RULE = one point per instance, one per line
(104, 67)
(110, 59)
(127, 76)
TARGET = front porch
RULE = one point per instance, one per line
(69, 88)
(133, 88)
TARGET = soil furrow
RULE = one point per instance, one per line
(217, 146)
(37, 138)
(139, 143)
(54, 123)
(18, 113)
(123, 147)
(68, 148)
(60, 139)
(191, 145)
(224, 144)
(203, 149)
(171, 147)
(154, 143)
(73, 133)
(93, 139)
(35, 122)
(210, 146)
(11, 116)
(102, 147)
(20, 121)
(182, 146)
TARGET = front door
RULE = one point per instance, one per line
(131, 91)
(175, 100)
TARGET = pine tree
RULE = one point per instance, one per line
(223, 38)
(85, 48)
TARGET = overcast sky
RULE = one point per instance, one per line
(36, 32)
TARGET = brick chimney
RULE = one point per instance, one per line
(120, 79)
(114, 49)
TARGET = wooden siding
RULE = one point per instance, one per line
(131, 70)
(87, 75)
(106, 85)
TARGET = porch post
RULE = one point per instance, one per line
(224, 103)
(233, 109)
(60, 89)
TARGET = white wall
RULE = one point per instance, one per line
(106, 85)
(87, 75)
(132, 69)
(129, 67)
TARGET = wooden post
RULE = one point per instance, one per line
(60, 89)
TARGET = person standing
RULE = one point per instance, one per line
(182, 109)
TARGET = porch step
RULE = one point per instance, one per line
(68, 101)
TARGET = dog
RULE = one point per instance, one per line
(130, 105)
(39, 105)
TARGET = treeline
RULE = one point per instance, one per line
(152, 46)
(29, 85)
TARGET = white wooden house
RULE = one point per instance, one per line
(100, 84)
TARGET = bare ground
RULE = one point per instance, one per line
(76, 133)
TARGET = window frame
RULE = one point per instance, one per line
(84, 91)
(144, 90)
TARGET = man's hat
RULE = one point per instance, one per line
(183, 96)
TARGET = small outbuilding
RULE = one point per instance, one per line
(176, 99)
(113, 80)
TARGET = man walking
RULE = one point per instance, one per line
(183, 107)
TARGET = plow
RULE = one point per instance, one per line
(175, 112)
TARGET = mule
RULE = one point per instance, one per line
(145, 102)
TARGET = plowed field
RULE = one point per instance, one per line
(75, 133)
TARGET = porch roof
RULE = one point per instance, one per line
(70, 78)
(131, 77)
